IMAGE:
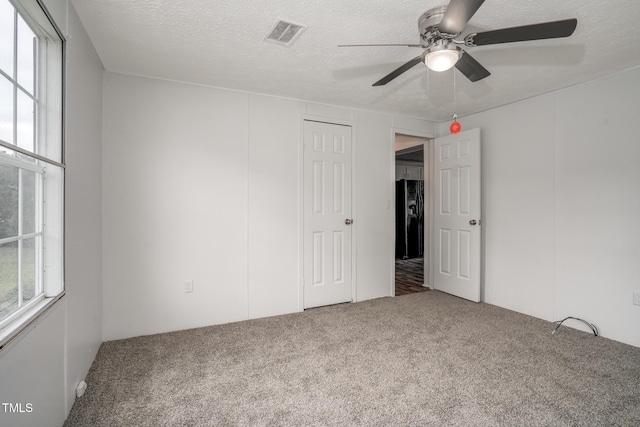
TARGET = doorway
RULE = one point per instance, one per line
(411, 201)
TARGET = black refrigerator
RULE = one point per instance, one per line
(409, 218)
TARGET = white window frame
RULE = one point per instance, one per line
(46, 162)
(21, 236)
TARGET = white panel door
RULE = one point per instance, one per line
(327, 214)
(457, 215)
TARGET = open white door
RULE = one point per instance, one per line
(327, 214)
(457, 215)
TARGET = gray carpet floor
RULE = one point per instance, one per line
(415, 360)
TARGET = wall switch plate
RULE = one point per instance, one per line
(636, 297)
(188, 286)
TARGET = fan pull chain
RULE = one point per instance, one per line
(455, 105)
(455, 126)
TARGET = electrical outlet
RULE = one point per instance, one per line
(636, 297)
(188, 286)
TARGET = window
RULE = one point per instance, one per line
(31, 164)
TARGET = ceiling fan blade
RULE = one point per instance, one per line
(395, 73)
(546, 30)
(471, 68)
(395, 44)
(457, 15)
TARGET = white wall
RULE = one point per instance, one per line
(402, 142)
(560, 202)
(175, 206)
(203, 184)
(83, 205)
(44, 365)
(273, 208)
(32, 370)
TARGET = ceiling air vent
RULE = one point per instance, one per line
(284, 33)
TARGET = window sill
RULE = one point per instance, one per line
(19, 326)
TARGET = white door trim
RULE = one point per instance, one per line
(354, 213)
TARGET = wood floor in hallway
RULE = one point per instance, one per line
(410, 276)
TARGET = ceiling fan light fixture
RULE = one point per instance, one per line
(442, 59)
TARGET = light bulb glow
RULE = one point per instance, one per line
(442, 60)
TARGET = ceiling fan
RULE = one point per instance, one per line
(440, 26)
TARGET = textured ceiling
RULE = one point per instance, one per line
(220, 43)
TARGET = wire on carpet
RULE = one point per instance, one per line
(590, 325)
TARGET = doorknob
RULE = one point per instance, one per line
(348, 221)
(473, 222)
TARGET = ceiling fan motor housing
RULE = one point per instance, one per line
(428, 24)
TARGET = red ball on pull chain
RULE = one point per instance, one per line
(455, 127)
